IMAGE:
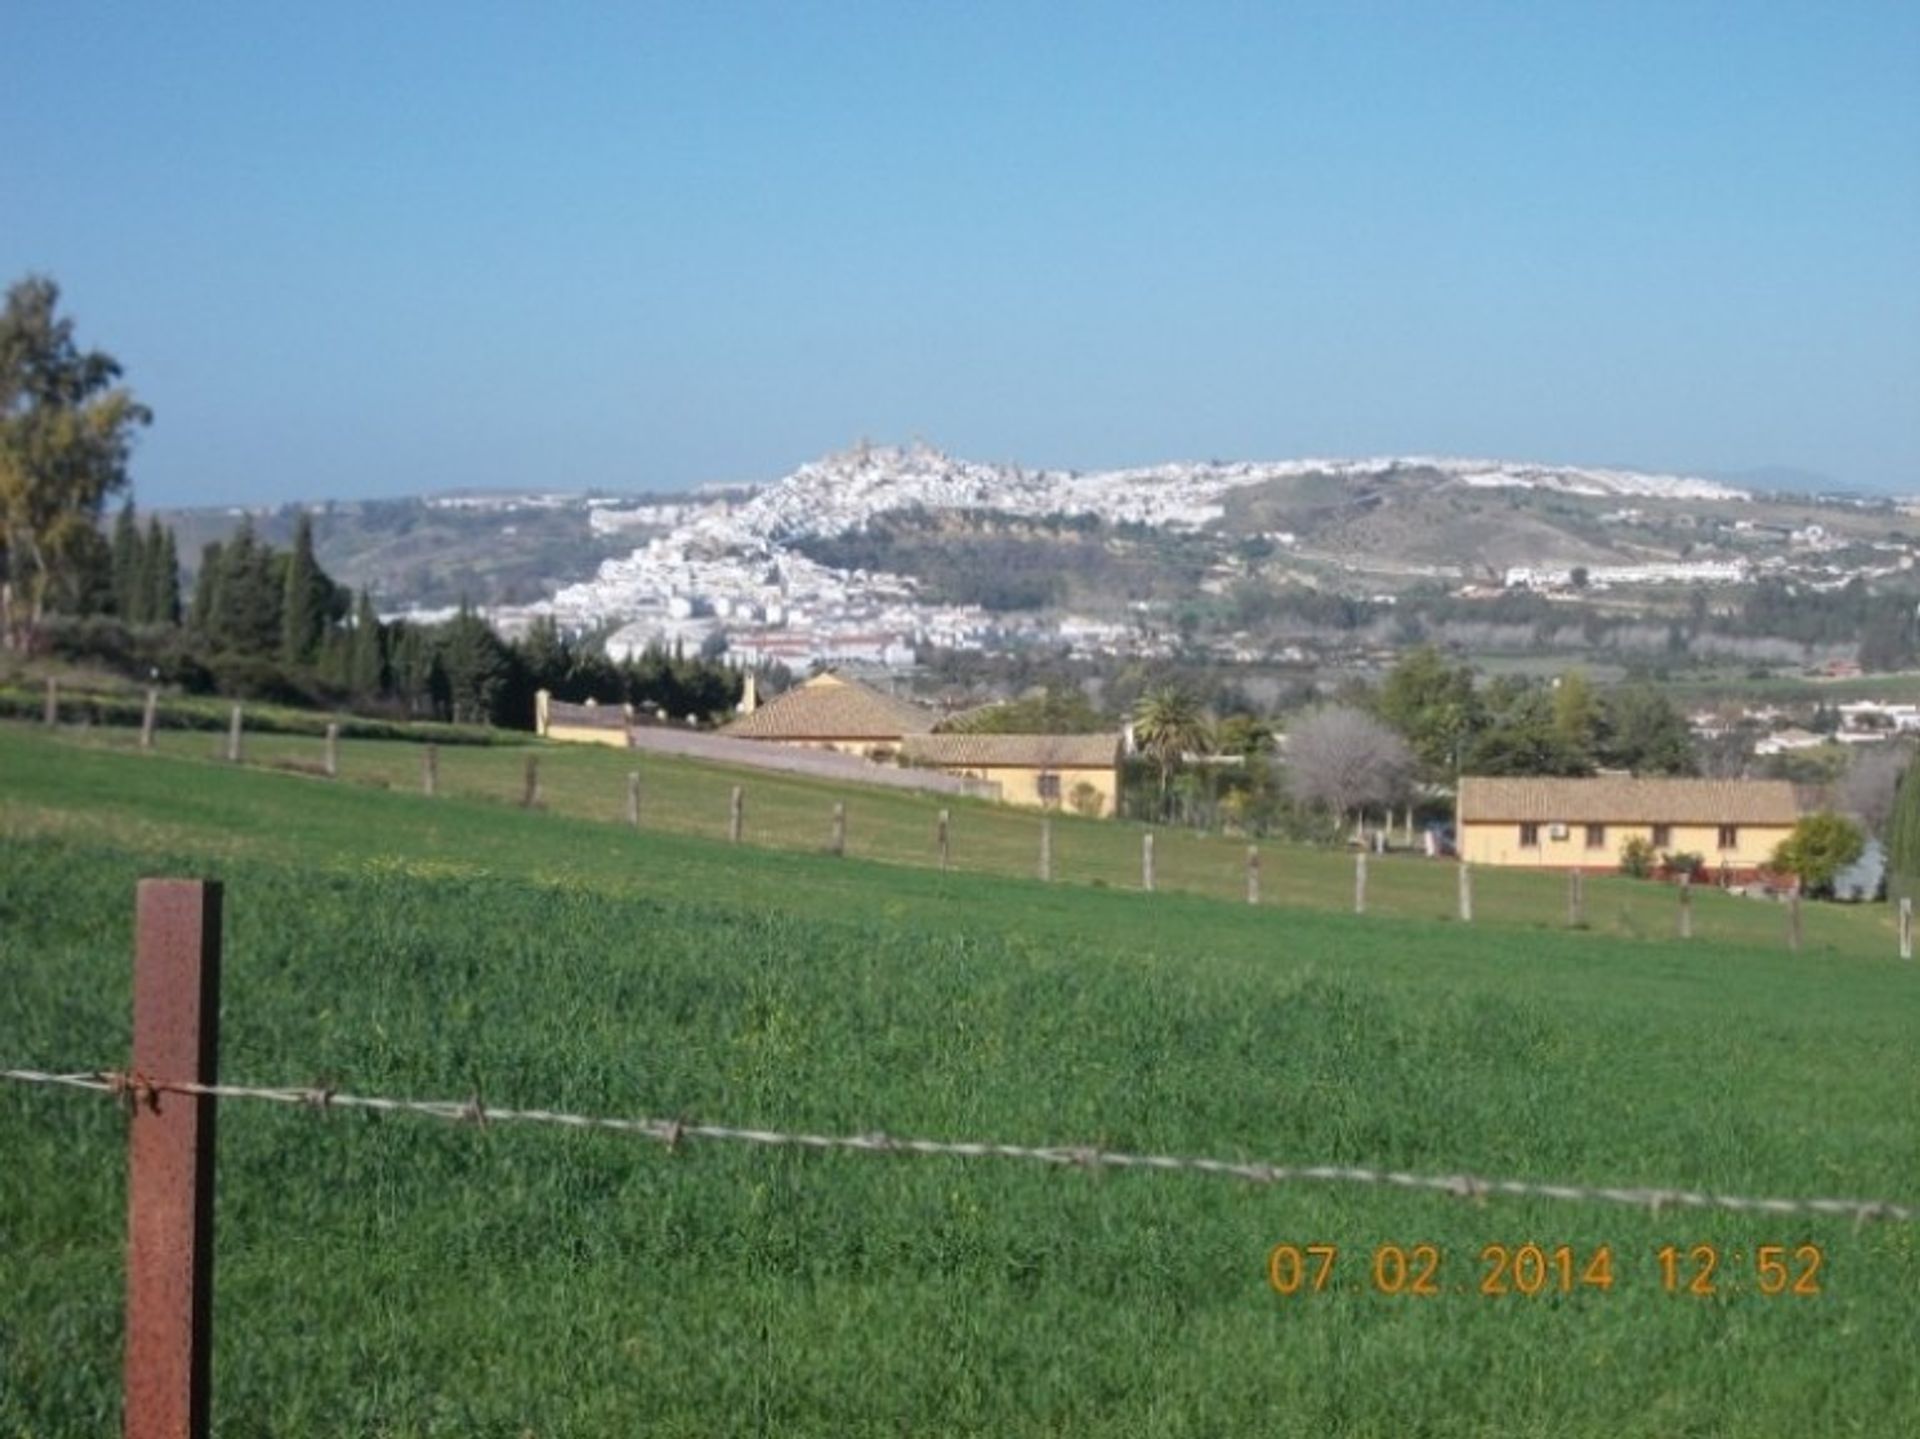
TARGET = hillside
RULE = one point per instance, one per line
(408, 1276)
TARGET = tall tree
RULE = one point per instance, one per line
(129, 593)
(475, 665)
(1344, 760)
(1168, 725)
(162, 576)
(367, 669)
(1903, 838)
(66, 433)
(206, 589)
(1433, 704)
(304, 595)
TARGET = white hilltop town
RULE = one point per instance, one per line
(718, 570)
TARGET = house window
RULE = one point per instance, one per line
(1729, 836)
(1663, 836)
(1596, 836)
(1529, 836)
(1049, 786)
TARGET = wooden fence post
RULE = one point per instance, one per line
(940, 837)
(1906, 929)
(233, 736)
(170, 1172)
(430, 771)
(1686, 906)
(736, 813)
(1360, 882)
(1794, 933)
(1253, 874)
(52, 715)
(1576, 899)
(1046, 850)
(839, 842)
(530, 789)
(633, 799)
(1146, 861)
(1466, 893)
(333, 750)
(148, 716)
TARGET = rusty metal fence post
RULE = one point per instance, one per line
(170, 1146)
(530, 792)
(941, 837)
(1576, 899)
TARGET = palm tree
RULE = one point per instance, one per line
(1168, 724)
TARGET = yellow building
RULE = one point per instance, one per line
(1732, 824)
(1078, 772)
(589, 723)
(835, 712)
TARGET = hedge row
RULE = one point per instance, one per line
(191, 713)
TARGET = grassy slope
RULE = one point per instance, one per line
(792, 813)
(401, 1277)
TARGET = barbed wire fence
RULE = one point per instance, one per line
(171, 1169)
(133, 1090)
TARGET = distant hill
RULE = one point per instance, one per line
(1356, 523)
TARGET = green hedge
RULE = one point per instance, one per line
(126, 707)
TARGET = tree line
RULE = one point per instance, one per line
(262, 622)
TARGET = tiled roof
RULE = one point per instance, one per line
(1630, 801)
(832, 707)
(1013, 751)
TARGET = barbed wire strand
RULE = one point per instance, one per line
(134, 1088)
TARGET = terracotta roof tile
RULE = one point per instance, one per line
(832, 707)
(1629, 801)
(1013, 751)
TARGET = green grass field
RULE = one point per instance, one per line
(787, 812)
(407, 1277)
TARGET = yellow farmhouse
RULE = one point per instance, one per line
(1079, 772)
(1732, 824)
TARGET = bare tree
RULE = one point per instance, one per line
(1343, 760)
(1866, 791)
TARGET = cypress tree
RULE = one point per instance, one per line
(303, 600)
(162, 576)
(1903, 838)
(367, 671)
(129, 596)
(206, 590)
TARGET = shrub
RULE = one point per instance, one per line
(1685, 862)
(1820, 846)
(1086, 800)
(1637, 857)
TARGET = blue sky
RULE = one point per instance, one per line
(350, 250)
